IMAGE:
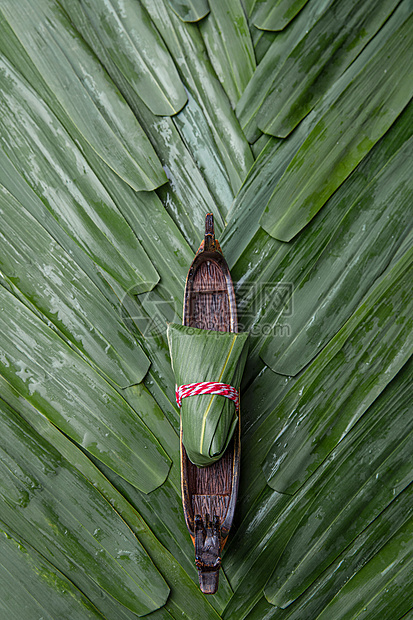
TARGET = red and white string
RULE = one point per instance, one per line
(207, 387)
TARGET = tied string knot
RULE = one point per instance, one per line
(206, 387)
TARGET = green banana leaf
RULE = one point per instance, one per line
(356, 241)
(186, 601)
(100, 424)
(397, 516)
(83, 208)
(197, 135)
(299, 85)
(136, 48)
(276, 15)
(226, 28)
(341, 127)
(278, 516)
(69, 307)
(122, 123)
(208, 421)
(36, 484)
(278, 51)
(185, 43)
(378, 586)
(84, 90)
(358, 499)
(42, 587)
(309, 436)
(190, 10)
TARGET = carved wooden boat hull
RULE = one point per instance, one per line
(209, 493)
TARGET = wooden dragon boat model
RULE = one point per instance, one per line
(209, 493)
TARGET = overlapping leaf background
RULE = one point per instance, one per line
(122, 123)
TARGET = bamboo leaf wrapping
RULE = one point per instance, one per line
(208, 422)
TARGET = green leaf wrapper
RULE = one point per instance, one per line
(208, 422)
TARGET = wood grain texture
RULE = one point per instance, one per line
(209, 493)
